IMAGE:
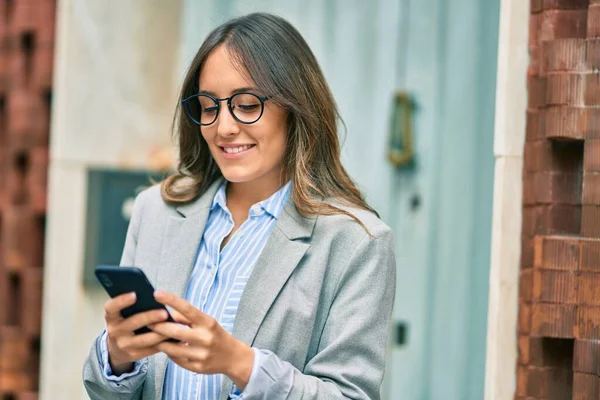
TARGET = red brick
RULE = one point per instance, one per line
(22, 238)
(591, 157)
(590, 218)
(557, 219)
(535, 124)
(590, 255)
(586, 357)
(592, 123)
(523, 349)
(557, 188)
(553, 320)
(529, 222)
(15, 187)
(588, 323)
(565, 89)
(524, 318)
(43, 67)
(549, 383)
(18, 382)
(527, 253)
(529, 188)
(535, 25)
(555, 286)
(35, 17)
(23, 18)
(27, 396)
(5, 71)
(592, 89)
(591, 188)
(522, 379)
(15, 350)
(593, 54)
(563, 24)
(46, 22)
(31, 300)
(557, 252)
(536, 6)
(593, 25)
(37, 179)
(526, 285)
(565, 123)
(536, 59)
(565, 4)
(28, 119)
(549, 352)
(536, 91)
(586, 387)
(566, 55)
(588, 292)
(10, 289)
(547, 156)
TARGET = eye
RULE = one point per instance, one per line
(247, 107)
(209, 110)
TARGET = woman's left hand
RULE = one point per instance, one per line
(205, 347)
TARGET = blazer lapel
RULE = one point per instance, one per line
(181, 239)
(280, 256)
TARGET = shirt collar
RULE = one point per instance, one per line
(273, 205)
(220, 198)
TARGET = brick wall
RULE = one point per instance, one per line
(559, 296)
(26, 54)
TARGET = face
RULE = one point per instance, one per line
(245, 153)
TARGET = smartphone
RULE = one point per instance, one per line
(119, 280)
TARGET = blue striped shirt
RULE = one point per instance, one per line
(218, 280)
(216, 285)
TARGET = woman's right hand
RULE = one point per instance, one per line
(124, 346)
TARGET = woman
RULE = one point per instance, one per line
(280, 277)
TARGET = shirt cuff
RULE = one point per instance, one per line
(107, 371)
(271, 378)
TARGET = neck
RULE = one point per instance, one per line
(245, 194)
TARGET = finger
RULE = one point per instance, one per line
(113, 307)
(187, 364)
(176, 331)
(147, 352)
(183, 307)
(176, 350)
(178, 317)
(143, 341)
(142, 319)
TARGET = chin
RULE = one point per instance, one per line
(238, 176)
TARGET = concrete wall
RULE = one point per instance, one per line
(117, 69)
(511, 104)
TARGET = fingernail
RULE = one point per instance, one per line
(132, 296)
(157, 293)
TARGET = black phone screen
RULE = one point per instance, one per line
(119, 280)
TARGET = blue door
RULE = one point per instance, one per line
(444, 54)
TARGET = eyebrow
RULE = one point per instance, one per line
(238, 90)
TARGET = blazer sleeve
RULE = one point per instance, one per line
(96, 384)
(350, 361)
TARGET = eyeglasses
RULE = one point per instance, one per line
(203, 109)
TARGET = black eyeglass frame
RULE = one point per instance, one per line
(218, 101)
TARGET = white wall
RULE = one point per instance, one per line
(511, 105)
(116, 66)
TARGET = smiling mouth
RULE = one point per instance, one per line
(237, 150)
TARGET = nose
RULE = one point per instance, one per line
(226, 124)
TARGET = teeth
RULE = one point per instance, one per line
(235, 150)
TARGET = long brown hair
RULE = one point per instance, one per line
(273, 54)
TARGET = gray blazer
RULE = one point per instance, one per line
(320, 296)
